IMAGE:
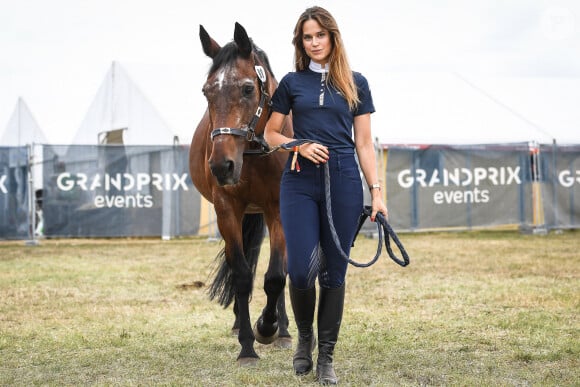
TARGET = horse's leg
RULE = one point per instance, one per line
(278, 253)
(273, 322)
(231, 230)
(243, 287)
(284, 339)
(236, 326)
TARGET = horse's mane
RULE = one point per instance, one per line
(229, 53)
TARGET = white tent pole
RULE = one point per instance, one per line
(19, 119)
(113, 95)
(166, 205)
(32, 241)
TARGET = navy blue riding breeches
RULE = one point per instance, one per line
(312, 251)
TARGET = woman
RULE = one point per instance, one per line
(327, 101)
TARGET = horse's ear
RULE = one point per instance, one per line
(210, 46)
(243, 41)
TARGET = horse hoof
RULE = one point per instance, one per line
(264, 339)
(248, 361)
(284, 342)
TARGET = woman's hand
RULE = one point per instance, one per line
(314, 152)
(378, 206)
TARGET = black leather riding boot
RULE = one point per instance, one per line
(330, 307)
(303, 304)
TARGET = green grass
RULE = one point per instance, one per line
(475, 308)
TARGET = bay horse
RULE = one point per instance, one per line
(231, 166)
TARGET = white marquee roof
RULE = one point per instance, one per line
(120, 104)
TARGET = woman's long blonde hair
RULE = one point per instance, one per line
(340, 73)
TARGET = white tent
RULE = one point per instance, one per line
(121, 114)
(449, 108)
(550, 104)
(22, 128)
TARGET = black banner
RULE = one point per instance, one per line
(14, 193)
(459, 186)
(560, 178)
(116, 190)
(125, 191)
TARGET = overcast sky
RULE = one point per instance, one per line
(56, 53)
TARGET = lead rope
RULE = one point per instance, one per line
(383, 227)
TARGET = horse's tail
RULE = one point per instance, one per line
(223, 287)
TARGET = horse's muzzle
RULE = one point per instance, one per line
(225, 171)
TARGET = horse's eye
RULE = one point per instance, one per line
(247, 90)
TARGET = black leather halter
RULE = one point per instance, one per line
(249, 131)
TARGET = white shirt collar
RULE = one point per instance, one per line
(317, 67)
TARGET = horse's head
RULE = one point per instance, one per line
(237, 92)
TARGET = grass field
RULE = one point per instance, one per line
(474, 308)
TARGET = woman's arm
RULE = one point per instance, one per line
(273, 131)
(316, 153)
(365, 151)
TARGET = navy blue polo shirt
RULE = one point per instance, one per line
(325, 119)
